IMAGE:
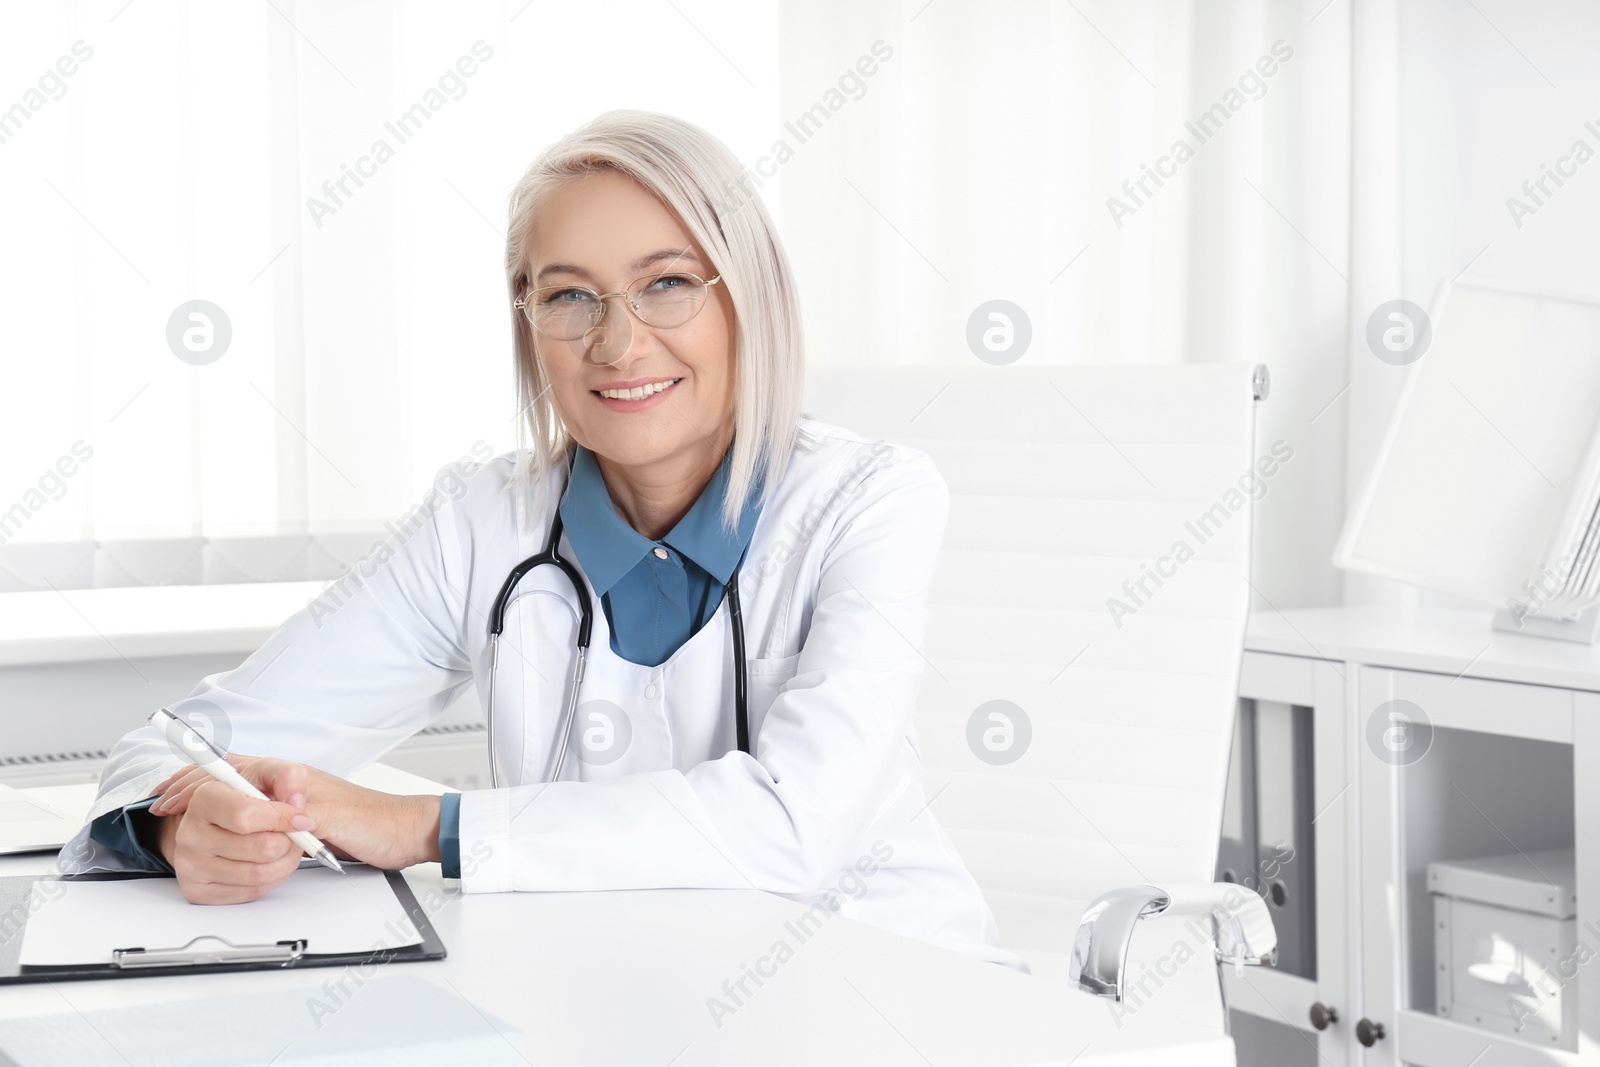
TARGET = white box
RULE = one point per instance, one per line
(1505, 944)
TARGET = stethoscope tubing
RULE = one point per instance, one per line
(552, 555)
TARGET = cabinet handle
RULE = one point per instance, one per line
(1322, 1015)
(1369, 1033)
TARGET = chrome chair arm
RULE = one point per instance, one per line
(1243, 930)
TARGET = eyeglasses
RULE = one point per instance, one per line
(570, 312)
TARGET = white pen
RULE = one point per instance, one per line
(189, 741)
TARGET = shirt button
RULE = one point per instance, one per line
(650, 691)
(661, 553)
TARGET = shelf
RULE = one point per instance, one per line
(1269, 994)
(1451, 641)
(1429, 1041)
(1504, 709)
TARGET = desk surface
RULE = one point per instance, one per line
(629, 977)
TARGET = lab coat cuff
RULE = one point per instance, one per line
(485, 831)
(450, 835)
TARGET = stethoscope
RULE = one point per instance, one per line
(552, 555)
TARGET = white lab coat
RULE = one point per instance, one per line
(831, 809)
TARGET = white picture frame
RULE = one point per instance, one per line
(1490, 429)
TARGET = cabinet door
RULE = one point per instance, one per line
(1294, 724)
(1586, 754)
(1451, 769)
(1379, 893)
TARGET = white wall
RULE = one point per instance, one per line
(1490, 93)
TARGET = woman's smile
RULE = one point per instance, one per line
(635, 395)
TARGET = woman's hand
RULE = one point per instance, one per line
(227, 847)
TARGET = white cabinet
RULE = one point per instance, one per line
(1434, 740)
(1314, 690)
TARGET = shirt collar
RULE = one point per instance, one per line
(700, 534)
(609, 548)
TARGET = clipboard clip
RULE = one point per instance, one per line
(283, 952)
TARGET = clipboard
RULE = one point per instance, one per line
(203, 955)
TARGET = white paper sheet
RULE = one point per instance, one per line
(82, 922)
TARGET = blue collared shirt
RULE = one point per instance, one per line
(657, 594)
(652, 604)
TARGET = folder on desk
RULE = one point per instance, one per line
(109, 926)
(27, 824)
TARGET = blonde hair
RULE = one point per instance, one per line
(701, 182)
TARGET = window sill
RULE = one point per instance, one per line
(75, 625)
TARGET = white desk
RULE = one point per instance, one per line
(624, 978)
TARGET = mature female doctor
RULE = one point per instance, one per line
(659, 362)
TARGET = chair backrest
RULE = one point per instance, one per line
(1088, 619)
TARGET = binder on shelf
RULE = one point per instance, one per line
(1562, 598)
(205, 954)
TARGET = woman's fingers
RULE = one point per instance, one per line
(258, 848)
(179, 785)
(175, 801)
(280, 779)
(243, 814)
(232, 847)
(219, 880)
(173, 777)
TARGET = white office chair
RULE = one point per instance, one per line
(1063, 591)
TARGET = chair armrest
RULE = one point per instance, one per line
(1243, 932)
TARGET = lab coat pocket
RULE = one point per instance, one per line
(767, 679)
